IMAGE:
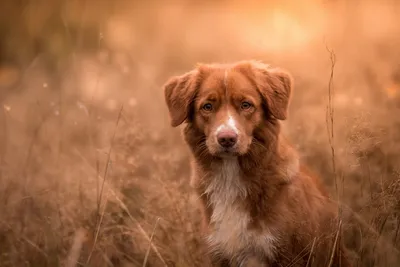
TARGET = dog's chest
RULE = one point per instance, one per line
(229, 221)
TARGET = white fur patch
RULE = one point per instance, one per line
(293, 168)
(230, 233)
(226, 79)
(229, 124)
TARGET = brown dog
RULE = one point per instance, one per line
(259, 204)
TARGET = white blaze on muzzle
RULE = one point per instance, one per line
(228, 125)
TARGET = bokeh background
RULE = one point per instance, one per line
(92, 174)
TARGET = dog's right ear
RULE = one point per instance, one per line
(179, 93)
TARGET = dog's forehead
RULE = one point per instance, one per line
(224, 79)
(214, 80)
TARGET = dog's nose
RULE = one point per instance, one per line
(227, 139)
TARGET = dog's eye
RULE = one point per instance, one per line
(207, 107)
(246, 105)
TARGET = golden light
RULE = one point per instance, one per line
(393, 91)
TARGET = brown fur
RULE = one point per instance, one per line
(258, 202)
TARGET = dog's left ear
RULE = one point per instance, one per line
(179, 93)
(275, 86)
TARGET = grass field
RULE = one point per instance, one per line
(92, 174)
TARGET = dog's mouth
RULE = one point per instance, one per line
(227, 152)
(216, 149)
(223, 152)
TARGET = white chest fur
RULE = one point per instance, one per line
(230, 233)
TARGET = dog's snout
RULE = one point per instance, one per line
(227, 139)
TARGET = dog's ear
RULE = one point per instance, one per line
(275, 86)
(179, 92)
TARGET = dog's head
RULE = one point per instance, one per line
(228, 103)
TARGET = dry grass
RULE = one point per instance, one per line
(91, 174)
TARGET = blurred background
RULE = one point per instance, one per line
(92, 174)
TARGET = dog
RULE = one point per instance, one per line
(259, 204)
